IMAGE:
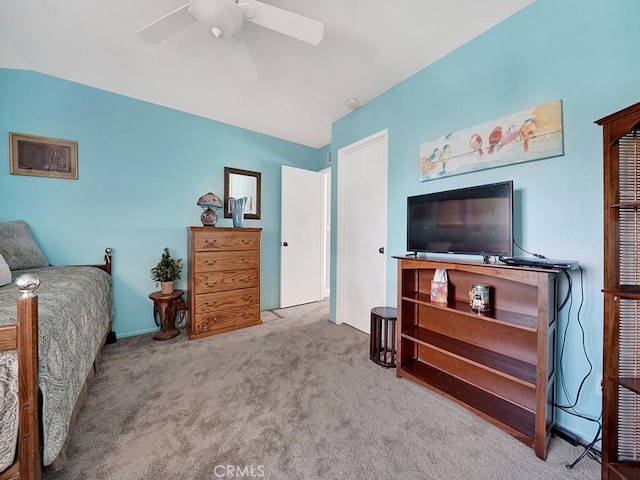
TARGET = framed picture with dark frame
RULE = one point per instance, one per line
(43, 156)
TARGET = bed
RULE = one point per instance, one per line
(51, 335)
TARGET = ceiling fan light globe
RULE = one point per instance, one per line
(216, 32)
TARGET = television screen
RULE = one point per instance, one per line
(475, 220)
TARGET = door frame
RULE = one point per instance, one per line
(343, 184)
(326, 233)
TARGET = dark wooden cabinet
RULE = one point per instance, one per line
(621, 349)
(499, 364)
(224, 279)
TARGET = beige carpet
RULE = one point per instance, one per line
(295, 398)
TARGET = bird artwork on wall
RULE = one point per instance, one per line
(476, 144)
(512, 134)
(494, 138)
(531, 134)
(527, 131)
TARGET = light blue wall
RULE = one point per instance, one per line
(583, 52)
(141, 169)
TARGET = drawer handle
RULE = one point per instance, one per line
(247, 297)
(246, 241)
(211, 284)
(212, 262)
(214, 241)
(207, 303)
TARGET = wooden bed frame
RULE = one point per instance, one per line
(23, 336)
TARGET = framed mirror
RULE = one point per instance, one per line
(242, 183)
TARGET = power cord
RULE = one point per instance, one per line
(589, 450)
(537, 255)
(570, 409)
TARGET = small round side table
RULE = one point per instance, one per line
(382, 348)
(165, 310)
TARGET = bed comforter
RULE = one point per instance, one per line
(75, 309)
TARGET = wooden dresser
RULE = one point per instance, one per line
(224, 279)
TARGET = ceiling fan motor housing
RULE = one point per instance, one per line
(222, 17)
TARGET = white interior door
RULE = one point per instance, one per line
(300, 237)
(362, 230)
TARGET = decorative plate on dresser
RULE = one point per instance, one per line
(224, 279)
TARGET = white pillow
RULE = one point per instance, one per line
(5, 273)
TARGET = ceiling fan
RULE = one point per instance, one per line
(223, 18)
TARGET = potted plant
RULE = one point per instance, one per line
(166, 272)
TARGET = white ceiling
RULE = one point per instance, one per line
(368, 47)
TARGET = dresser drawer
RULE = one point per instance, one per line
(218, 261)
(213, 302)
(211, 241)
(225, 320)
(209, 282)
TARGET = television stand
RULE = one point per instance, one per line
(497, 364)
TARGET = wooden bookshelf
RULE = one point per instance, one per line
(621, 349)
(498, 364)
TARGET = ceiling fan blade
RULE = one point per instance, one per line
(242, 57)
(283, 21)
(166, 26)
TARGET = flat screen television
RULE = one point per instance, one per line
(474, 221)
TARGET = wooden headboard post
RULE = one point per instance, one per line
(111, 336)
(29, 446)
(29, 454)
(107, 259)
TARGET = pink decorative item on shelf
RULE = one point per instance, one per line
(439, 292)
(440, 286)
